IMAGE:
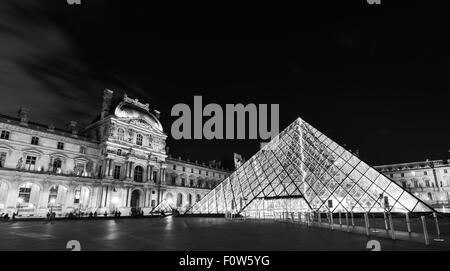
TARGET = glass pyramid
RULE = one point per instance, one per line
(303, 170)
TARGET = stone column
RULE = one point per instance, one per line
(70, 197)
(151, 173)
(147, 179)
(43, 196)
(132, 170)
(129, 197)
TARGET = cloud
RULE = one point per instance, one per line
(40, 67)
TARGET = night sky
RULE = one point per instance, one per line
(373, 79)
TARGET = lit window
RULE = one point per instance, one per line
(60, 146)
(138, 171)
(2, 159)
(30, 163)
(57, 163)
(25, 192)
(5, 135)
(34, 140)
(121, 134)
(53, 195)
(116, 172)
(139, 140)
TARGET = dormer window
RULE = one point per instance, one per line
(139, 140)
(4, 135)
(35, 140)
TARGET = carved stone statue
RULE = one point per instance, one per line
(19, 163)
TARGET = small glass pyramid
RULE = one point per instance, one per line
(303, 170)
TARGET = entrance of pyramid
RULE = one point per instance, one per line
(277, 207)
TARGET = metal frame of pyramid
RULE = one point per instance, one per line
(303, 167)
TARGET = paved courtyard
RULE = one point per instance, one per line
(186, 233)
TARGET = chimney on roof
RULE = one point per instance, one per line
(73, 127)
(106, 106)
(23, 115)
(157, 113)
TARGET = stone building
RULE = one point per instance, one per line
(428, 180)
(117, 163)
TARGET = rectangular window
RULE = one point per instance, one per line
(30, 163)
(82, 149)
(392, 175)
(5, 135)
(445, 171)
(35, 140)
(174, 167)
(155, 175)
(24, 194)
(403, 175)
(153, 203)
(425, 173)
(184, 168)
(60, 146)
(117, 172)
(2, 159)
(207, 173)
(404, 184)
(192, 170)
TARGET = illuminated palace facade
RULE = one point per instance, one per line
(428, 180)
(117, 163)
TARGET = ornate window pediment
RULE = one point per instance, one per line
(6, 148)
(32, 151)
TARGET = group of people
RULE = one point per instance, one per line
(5, 216)
(51, 215)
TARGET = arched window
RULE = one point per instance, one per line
(121, 134)
(138, 174)
(57, 163)
(139, 139)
